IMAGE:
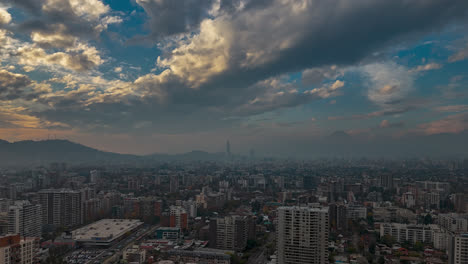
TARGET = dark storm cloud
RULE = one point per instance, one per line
(168, 17)
(32, 6)
(326, 32)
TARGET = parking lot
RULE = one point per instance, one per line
(82, 256)
(97, 256)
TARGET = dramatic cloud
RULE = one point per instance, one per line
(56, 18)
(168, 17)
(222, 65)
(235, 51)
(12, 85)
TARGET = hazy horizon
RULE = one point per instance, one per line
(280, 76)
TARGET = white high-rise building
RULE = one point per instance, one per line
(302, 235)
(94, 176)
(458, 249)
(61, 207)
(453, 222)
(25, 219)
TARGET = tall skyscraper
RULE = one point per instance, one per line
(94, 176)
(25, 219)
(61, 207)
(302, 235)
(174, 184)
(386, 181)
(228, 148)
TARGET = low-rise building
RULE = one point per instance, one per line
(16, 249)
(168, 233)
(199, 256)
(135, 255)
(105, 231)
(411, 233)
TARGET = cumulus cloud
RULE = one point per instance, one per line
(90, 10)
(81, 58)
(205, 55)
(318, 75)
(58, 38)
(253, 44)
(5, 17)
(286, 96)
(12, 85)
(53, 18)
(387, 82)
(229, 63)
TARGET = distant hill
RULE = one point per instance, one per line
(338, 144)
(47, 151)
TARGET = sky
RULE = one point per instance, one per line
(277, 76)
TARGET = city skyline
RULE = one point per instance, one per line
(282, 77)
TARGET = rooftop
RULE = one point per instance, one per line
(105, 230)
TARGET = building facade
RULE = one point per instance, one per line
(302, 235)
(25, 219)
(231, 232)
(15, 249)
(458, 249)
(411, 233)
(61, 207)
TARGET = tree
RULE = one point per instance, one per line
(372, 248)
(381, 260)
(251, 243)
(331, 257)
(418, 246)
(388, 240)
(428, 219)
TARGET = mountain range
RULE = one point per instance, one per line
(338, 144)
(47, 151)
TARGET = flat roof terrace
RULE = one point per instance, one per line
(104, 231)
